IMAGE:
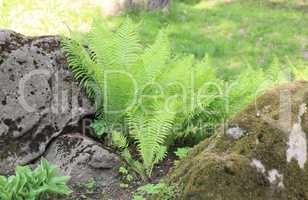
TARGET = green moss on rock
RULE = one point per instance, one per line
(255, 166)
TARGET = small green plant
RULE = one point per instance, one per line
(159, 191)
(127, 178)
(33, 185)
(99, 127)
(90, 185)
(120, 142)
(138, 197)
(124, 185)
(182, 152)
(123, 171)
(145, 168)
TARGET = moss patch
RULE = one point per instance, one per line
(222, 168)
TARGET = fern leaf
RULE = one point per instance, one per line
(136, 165)
(101, 43)
(160, 154)
(156, 56)
(127, 45)
(119, 140)
(80, 63)
(150, 133)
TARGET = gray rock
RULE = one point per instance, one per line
(83, 159)
(41, 113)
(235, 133)
(39, 100)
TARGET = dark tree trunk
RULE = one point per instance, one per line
(157, 4)
(116, 7)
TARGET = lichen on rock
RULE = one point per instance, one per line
(297, 144)
(275, 177)
(235, 132)
(258, 165)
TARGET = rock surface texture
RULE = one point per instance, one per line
(267, 160)
(86, 162)
(41, 110)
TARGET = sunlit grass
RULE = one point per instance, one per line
(233, 34)
(39, 17)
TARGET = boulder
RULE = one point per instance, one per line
(82, 158)
(261, 154)
(44, 113)
(86, 161)
(39, 98)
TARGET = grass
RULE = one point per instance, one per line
(36, 17)
(233, 34)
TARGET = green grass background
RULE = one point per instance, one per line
(234, 34)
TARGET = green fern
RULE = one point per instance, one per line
(119, 140)
(150, 134)
(80, 61)
(166, 86)
(298, 70)
(156, 56)
(277, 72)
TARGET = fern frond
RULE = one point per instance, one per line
(150, 134)
(119, 140)
(160, 154)
(298, 70)
(80, 63)
(101, 43)
(156, 57)
(244, 86)
(276, 72)
(178, 75)
(127, 45)
(135, 165)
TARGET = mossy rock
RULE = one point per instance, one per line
(260, 155)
